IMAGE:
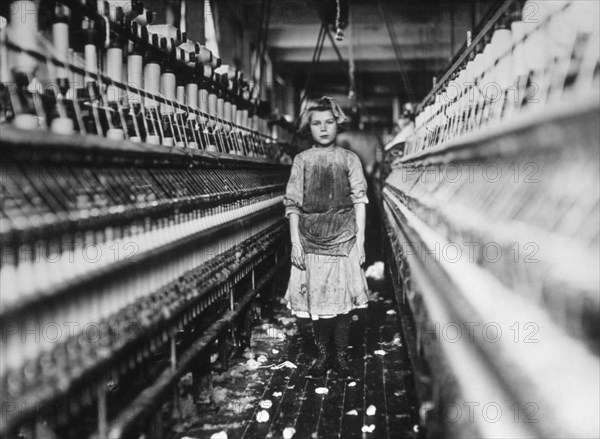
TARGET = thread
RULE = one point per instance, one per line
(168, 88)
(212, 105)
(91, 61)
(191, 95)
(203, 103)
(220, 111)
(62, 125)
(60, 38)
(227, 111)
(23, 29)
(115, 134)
(153, 139)
(114, 70)
(135, 72)
(518, 55)
(245, 118)
(151, 82)
(26, 122)
(502, 41)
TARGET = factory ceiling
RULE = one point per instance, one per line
(396, 48)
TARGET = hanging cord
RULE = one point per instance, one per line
(258, 42)
(335, 47)
(351, 64)
(315, 60)
(339, 33)
(390, 28)
(265, 39)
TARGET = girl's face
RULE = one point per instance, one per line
(323, 127)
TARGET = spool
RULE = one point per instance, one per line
(5, 75)
(469, 73)
(212, 105)
(27, 122)
(191, 95)
(245, 118)
(23, 29)
(135, 72)
(220, 112)
(227, 113)
(60, 38)
(191, 100)
(480, 61)
(535, 43)
(76, 79)
(502, 41)
(486, 64)
(203, 103)
(114, 63)
(535, 51)
(452, 91)
(151, 82)
(62, 125)
(153, 139)
(91, 61)
(114, 70)
(519, 64)
(168, 88)
(561, 33)
(115, 134)
(180, 98)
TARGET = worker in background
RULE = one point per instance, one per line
(325, 203)
(405, 126)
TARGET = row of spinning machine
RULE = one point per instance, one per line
(493, 223)
(141, 215)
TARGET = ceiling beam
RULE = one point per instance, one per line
(387, 66)
(364, 34)
(363, 53)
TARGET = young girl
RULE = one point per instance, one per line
(325, 203)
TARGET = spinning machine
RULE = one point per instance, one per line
(141, 216)
(492, 216)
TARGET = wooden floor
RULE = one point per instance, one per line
(384, 381)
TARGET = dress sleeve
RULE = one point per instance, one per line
(294, 189)
(358, 184)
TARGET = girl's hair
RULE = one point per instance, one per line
(326, 103)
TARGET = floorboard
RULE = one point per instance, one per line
(384, 381)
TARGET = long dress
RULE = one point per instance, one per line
(325, 184)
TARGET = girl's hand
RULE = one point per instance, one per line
(360, 245)
(298, 256)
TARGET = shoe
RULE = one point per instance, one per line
(320, 366)
(305, 329)
(341, 364)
